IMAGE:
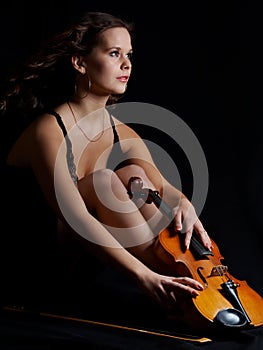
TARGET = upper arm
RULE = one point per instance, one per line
(137, 152)
(48, 161)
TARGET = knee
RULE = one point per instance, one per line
(133, 170)
(99, 184)
(103, 179)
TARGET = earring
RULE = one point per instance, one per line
(78, 96)
(77, 93)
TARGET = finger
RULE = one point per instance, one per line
(166, 297)
(183, 284)
(177, 219)
(172, 297)
(199, 228)
(188, 236)
(180, 289)
(160, 297)
(172, 306)
(188, 281)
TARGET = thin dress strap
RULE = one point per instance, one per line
(116, 136)
(70, 156)
(116, 159)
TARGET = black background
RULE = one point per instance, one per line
(200, 60)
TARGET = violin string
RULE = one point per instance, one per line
(220, 271)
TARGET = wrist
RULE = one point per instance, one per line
(138, 272)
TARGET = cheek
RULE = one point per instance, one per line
(102, 73)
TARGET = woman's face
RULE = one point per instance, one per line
(108, 66)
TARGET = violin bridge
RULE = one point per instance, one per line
(218, 270)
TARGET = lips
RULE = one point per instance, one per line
(123, 78)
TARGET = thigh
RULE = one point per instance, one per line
(101, 190)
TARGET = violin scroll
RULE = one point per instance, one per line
(136, 190)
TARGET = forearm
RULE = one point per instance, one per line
(171, 195)
(99, 242)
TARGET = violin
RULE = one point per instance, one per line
(226, 302)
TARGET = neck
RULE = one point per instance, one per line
(95, 122)
(89, 104)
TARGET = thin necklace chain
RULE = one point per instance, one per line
(80, 128)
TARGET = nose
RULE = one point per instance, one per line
(126, 64)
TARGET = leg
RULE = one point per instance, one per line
(105, 195)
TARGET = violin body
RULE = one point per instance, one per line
(222, 292)
(225, 302)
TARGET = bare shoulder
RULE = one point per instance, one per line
(43, 133)
(46, 125)
(124, 130)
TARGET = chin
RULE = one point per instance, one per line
(120, 90)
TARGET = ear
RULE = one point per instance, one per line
(79, 64)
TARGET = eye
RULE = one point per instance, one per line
(115, 53)
(129, 56)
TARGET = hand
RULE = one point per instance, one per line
(186, 220)
(164, 289)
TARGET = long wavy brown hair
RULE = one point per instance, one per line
(48, 78)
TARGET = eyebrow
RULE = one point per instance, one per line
(118, 48)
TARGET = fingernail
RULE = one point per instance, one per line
(195, 293)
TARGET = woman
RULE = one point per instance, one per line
(63, 137)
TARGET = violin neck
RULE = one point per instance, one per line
(161, 204)
(136, 190)
(195, 246)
